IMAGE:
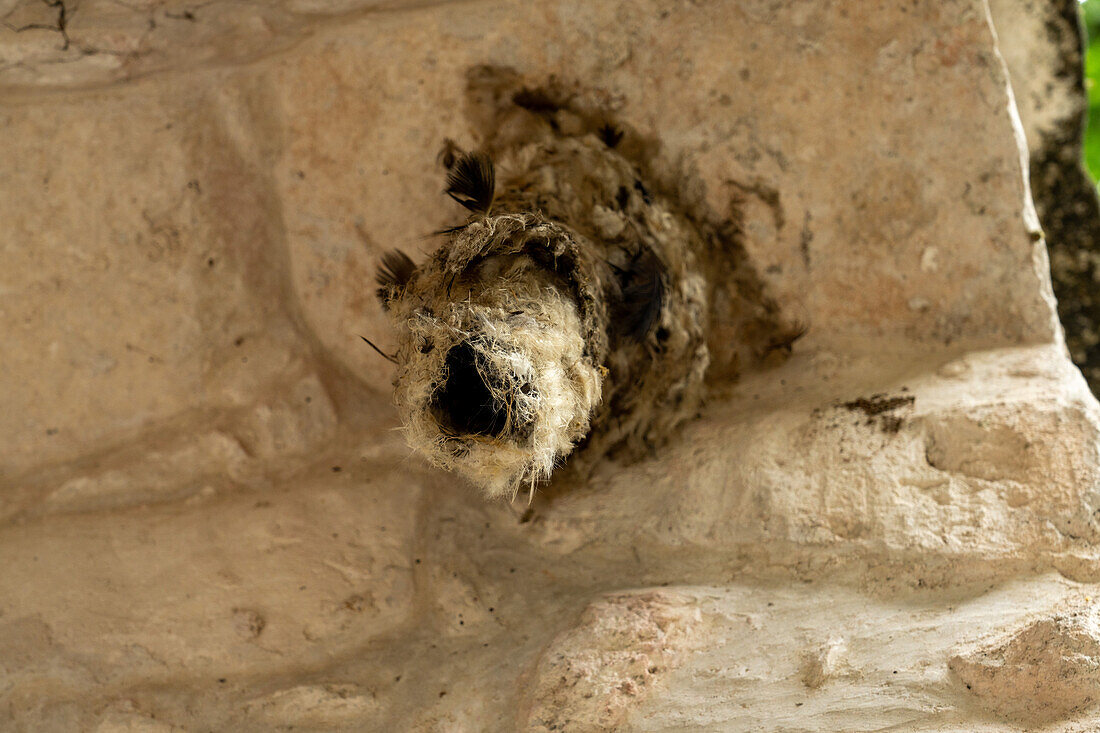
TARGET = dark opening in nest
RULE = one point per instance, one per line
(465, 405)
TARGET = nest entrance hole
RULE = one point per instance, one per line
(466, 404)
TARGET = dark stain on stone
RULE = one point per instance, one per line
(879, 403)
(880, 408)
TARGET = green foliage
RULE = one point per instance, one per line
(1090, 12)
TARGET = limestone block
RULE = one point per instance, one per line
(79, 43)
(947, 467)
(1043, 49)
(140, 208)
(208, 590)
(607, 663)
(1048, 670)
(208, 519)
(894, 675)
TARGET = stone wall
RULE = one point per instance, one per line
(209, 521)
(1043, 48)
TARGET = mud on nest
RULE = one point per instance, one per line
(570, 314)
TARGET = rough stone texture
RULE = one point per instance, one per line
(209, 521)
(1043, 48)
(1048, 670)
(602, 668)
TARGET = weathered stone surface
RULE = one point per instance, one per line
(1042, 46)
(1046, 671)
(893, 678)
(209, 589)
(145, 209)
(610, 661)
(209, 522)
(81, 43)
(947, 474)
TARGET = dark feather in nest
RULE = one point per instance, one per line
(471, 182)
(450, 230)
(609, 134)
(642, 286)
(394, 273)
(388, 357)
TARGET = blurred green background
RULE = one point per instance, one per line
(1090, 10)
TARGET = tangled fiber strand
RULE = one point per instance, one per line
(505, 388)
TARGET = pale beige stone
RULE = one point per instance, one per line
(314, 707)
(823, 663)
(594, 674)
(1046, 671)
(209, 521)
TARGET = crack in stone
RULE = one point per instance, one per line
(63, 16)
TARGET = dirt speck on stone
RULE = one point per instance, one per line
(248, 623)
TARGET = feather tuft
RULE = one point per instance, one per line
(394, 274)
(471, 182)
(609, 134)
